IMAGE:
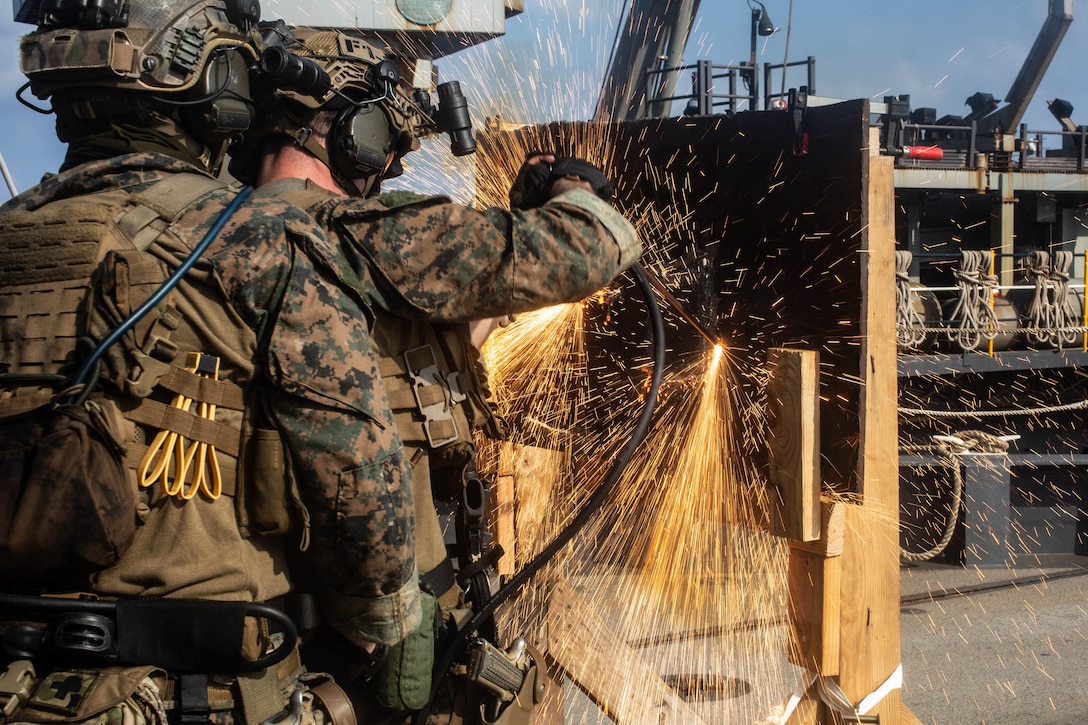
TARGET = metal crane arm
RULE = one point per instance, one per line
(1007, 118)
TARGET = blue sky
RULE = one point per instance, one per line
(552, 59)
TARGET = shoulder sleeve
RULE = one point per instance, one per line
(452, 263)
(624, 234)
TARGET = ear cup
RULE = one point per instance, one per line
(362, 141)
(244, 13)
(225, 85)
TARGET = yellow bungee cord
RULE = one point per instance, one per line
(170, 446)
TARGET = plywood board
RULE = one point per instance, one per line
(592, 654)
(793, 441)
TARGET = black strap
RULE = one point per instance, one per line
(439, 580)
(178, 635)
(193, 703)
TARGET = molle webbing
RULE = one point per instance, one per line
(410, 401)
(188, 424)
(52, 248)
(49, 256)
(51, 252)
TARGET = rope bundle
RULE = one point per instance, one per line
(1051, 318)
(910, 327)
(973, 319)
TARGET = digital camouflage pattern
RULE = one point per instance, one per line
(311, 356)
(452, 263)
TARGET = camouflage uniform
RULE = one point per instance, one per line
(432, 257)
(310, 354)
(436, 264)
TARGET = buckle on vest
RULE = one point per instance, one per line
(15, 686)
(423, 370)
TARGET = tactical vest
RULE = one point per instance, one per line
(436, 385)
(75, 268)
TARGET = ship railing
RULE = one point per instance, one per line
(1036, 150)
(1069, 156)
(977, 314)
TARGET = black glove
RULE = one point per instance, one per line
(533, 185)
(582, 169)
(530, 189)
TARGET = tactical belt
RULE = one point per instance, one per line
(182, 636)
(199, 693)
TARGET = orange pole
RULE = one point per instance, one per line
(1084, 302)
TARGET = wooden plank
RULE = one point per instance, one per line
(832, 531)
(503, 511)
(793, 440)
(595, 656)
(815, 584)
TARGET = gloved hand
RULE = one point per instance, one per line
(533, 185)
(530, 188)
(582, 169)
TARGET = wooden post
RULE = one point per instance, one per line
(869, 625)
(793, 439)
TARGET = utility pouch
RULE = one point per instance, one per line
(69, 503)
(405, 683)
(262, 496)
(126, 695)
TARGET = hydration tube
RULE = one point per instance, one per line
(638, 434)
(161, 292)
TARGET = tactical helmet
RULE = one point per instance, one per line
(183, 52)
(379, 115)
(303, 70)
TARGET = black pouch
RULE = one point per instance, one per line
(69, 504)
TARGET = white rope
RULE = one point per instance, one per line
(833, 696)
(921, 412)
(973, 313)
(910, 327)
(1051, 314)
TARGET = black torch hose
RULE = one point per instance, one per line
(638, 434)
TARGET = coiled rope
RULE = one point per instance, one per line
(973, 317)
(947, 447)
(910, 326)
(1052, 318)
(948, 460)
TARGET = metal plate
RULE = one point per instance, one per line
(424, 12)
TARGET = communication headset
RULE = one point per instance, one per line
(362, 141)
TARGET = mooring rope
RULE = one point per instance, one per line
(1053, 320)
(947, 447)
(973, 312)
(921, 412)
(948, 460)
(910, 326)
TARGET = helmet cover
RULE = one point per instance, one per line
(159, 48)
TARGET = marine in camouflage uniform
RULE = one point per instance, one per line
(307, 349)
(271, 300)
(436, 265)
